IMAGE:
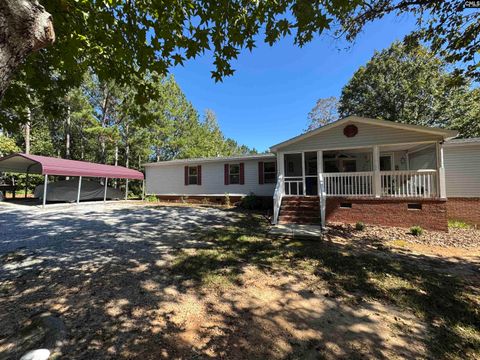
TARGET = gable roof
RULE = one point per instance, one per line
(212, 159)
(446, 134)
(44, 165)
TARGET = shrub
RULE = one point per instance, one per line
(360, 226)
(250, 202)
(458, 224)
(151, 198)
(416, 230)
(205, 201)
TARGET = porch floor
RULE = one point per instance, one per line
(297, 231)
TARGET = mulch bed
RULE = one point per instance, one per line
(455, 237)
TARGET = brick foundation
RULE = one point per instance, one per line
(265, 202)
(389, 212)
(464, 209)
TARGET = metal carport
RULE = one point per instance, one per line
(44, 165)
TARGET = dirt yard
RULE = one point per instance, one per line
(134, 282)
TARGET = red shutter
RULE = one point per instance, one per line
(186, 175)
(260, 172)
(226, 174)
(242, 174)
(199, 174)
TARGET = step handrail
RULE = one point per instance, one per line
(277, 198)
(322, 198)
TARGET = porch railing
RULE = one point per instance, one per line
(411, 183)
(349, 184)
(416, 183)
(293, 185)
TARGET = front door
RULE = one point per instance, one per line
(386, 162)
(311, 173)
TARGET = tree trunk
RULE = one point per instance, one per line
(116, 163)
(25, 27)
(27, 131)
(67, 134)
(127, 148)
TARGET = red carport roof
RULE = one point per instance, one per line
(44, 165)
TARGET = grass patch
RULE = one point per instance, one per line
(458, 224)
(446, 303)
(399, 243)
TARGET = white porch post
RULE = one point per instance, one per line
(105, 192)
(281, 168)
(126, 189)
(45, 191)
(320, 161)
(280, 164)
(304, 185)
(442, 191)
(377, 182)
(79, 189)
(319, 164)
(143, 189)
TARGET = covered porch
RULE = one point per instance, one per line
(410, 170)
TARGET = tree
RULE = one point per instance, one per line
(123, 40)
(25, 27)
(450, 30)
(324, 112)
(407, 84)
(7, 145)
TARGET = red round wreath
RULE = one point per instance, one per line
(350, 130)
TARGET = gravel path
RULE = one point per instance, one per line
(89, 233)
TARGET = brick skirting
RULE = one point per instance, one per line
(265, 201)
(389, 212)
(464, 209)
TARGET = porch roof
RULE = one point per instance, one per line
(443, 133)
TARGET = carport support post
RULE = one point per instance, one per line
(26, 184)
(143, 189)
(45, 191)
(79, 189)
(126, 189)
(105, 192)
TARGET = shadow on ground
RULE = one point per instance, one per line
(150, 283)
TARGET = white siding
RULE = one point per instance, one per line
(368, 135)
(462, 170)
(169, 180)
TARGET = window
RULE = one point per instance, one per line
(269, 172)
(192, 175)
(234, 173)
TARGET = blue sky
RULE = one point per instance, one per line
(268, 98)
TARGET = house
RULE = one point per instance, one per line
(355, 169)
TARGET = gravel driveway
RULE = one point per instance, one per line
(97, 233)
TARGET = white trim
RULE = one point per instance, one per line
(446, 134)
(195, 195)
(366, 147)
